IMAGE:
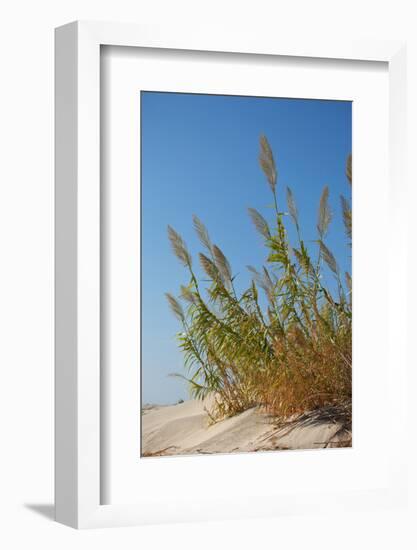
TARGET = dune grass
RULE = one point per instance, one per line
(290, 356)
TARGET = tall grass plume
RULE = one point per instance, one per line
(289, 353)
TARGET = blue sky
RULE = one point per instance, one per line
(200, 156)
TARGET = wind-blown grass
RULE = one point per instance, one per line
(292, 355)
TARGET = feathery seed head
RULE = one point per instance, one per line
(292, 208)
(329, 258)
(260, 223)
(209, 267)
(188, 295)
(347, 216)
(348, 279)
(267, 162)
(222, 264)
(202, 233)
(349, 168)
(179, 247)
(175, 307)
(325, 214)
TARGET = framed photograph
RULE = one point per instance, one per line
(267, 356)
(230, 341)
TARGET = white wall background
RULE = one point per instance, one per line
(26, 270)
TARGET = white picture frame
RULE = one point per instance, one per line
(78, 293)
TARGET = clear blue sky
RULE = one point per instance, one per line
(200, 155)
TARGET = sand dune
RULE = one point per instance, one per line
(186, 428)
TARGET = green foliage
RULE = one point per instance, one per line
(292, 354)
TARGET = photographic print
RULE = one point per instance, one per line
(246, 288)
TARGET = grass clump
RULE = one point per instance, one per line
(290, 352)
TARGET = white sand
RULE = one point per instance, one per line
(186, 428)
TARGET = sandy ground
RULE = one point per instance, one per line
(186, 428)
